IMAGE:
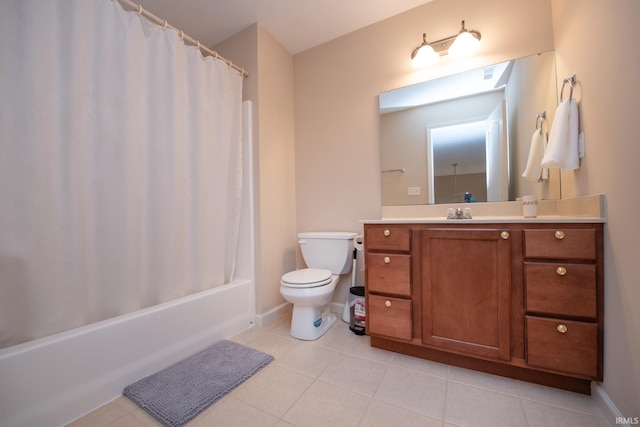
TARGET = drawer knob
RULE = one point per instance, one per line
(561, 271)
(387, 260)
(562, 328)
(504, 235)
(387, 303)
(387, 233)
(559, 235)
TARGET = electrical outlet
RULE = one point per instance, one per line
(413, 191)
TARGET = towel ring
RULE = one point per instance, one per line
(571, 80)
(540, 118)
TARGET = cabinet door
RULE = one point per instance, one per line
(466, 282)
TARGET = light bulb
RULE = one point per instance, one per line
(424, 56)
(465, 44)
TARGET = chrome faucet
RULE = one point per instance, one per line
(459, 213)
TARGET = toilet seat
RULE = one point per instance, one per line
(306, 278)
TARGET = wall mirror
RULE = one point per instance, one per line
(467, 133)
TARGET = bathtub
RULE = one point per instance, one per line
(54, 380)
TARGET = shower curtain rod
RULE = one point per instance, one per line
(163, 22)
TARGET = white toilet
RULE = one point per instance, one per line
(328, 255)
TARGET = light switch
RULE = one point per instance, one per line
(413, 191)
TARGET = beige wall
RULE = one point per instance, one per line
(270, 86)
(609, 98)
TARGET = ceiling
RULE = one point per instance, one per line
(297, 24)
(460, 85)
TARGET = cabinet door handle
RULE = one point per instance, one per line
(504, 235)
(387, 303)
(387, 233)
(561, 271)
(562, 328)
(559, 235)
(387, 260)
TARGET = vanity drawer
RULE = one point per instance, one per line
(562, 345)
(389, 274)
(560, 243)
(389, 317)
(388, 238)
(561, 289)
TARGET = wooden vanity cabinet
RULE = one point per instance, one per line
(466, 290)
(522, 300)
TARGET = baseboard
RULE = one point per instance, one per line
(608, 408)
(274, 316)
(337, 307)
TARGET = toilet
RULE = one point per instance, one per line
(327, 255)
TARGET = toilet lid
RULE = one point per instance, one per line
(306, 278)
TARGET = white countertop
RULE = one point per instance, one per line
(487, 220)
(585, 209)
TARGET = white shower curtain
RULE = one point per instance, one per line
(120, 166)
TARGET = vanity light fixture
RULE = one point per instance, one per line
(462, 44)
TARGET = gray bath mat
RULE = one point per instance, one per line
(175, 395)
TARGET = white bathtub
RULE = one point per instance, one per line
(53, 380)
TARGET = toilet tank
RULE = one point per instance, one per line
(329, 250)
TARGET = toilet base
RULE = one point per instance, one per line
(310, 323)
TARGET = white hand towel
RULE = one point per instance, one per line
(562, 151)
(534, 171)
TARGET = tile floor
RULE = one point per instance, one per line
(339, 380)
